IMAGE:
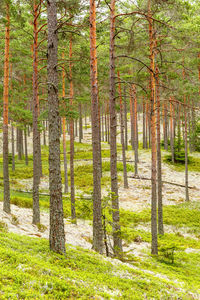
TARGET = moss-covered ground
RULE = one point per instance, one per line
(28, 270)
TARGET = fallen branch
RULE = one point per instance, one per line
(164, 181)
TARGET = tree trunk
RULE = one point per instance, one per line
(154, 241)
(6, 183)
(147, 120)
(44, 135)
(108, 122)
(36, 151)
(85, 110)
(122, 136)
(165, 127)
(186, 143)
(102, 123)
(171, 130)
(189, 126)
(135, 132)
(57, 233)
(186, 153)
(20, 144)
(64, 131)
(125, 120)
(193, 128)
(113, 146)
(106, 127)
(73, 209)
(159, 166)
(131, 118)
(97, 209)
(66, 189)
(144, 129)
(80, 123)
(13, 148)
(25, 147)
(99, 120)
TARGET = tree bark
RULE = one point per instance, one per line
(108, 122)
(36, 138)
(64, 132)
(147, 120)
(125, 121)
(165, 127)
(20, 144)
(186, 143)
(6, 183)
(97, 209)
(102, 123)
(154, 241)
(73, 209)
(117, 242)
(135, 132)
(144, 129)
(131, 118)
(122, 135)
(80, 123)
(159, 161)
(171, 130)
(13, 148)
(44, 135)
(57, 233)
(25, 146)
(105, 120)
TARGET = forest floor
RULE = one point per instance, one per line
(181, 220)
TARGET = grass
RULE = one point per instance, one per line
(193, 164)
(28, 270)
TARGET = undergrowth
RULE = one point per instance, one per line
(28, 270)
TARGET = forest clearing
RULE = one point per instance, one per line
(100, 149)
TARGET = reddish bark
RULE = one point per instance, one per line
(122, 134)
(154, 242)
(6, 203)
(131, 118)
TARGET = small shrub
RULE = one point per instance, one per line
(3, 227)
(14, 220)
(41, 227)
